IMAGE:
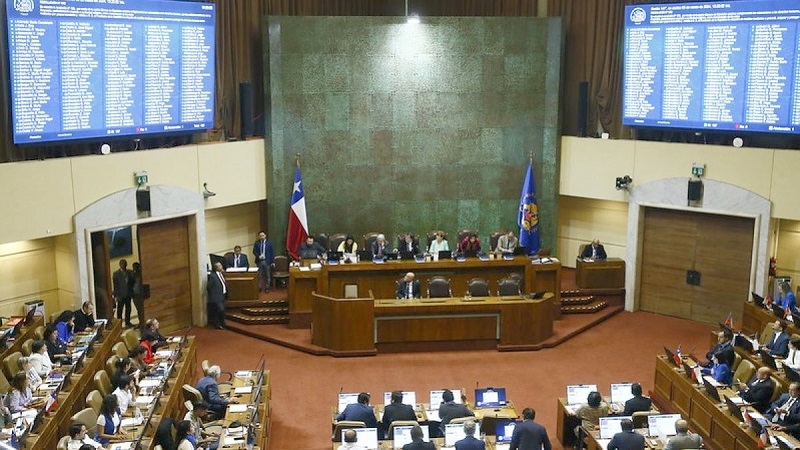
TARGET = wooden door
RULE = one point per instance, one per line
(101, 270)
(719, 247)
(164, 256)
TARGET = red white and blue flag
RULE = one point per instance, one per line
(729, 321)
(677, 356)
(297, 231)
(763, 438)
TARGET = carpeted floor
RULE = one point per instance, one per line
(305, 387)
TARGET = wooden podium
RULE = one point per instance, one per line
(605, 274)
(343, 326)
(242, 285)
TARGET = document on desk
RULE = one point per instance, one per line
(736, 399)
(243, 374)
(243, 390)
(144, 400)
(121, 446)
(237, 408)
(433, 416)
(303, 269)
(149, 382)
(164, 353)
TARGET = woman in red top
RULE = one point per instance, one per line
(147, 341)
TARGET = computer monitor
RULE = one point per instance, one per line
(791, 374)
(409, 398)
(778, 311)
(407, 255)
(445, 254)
(490, 397)
(365, 255)
(402, 435)
(658, 424)
(742, 341)
(768, 359)
(454, 432)
(503, 430)
(366, 437)
(609, 426)
(578, 393)
(783, 444)
(335, 256)
(346, 399)
(620, 392)
(670, 356)
(436, 398)
(734, 409)
(711, 390)
(217, 259)
(471, 253)
(757, 299)
(29, 316)
(391, 256)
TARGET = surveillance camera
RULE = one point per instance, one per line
(207, 193)
(623, 182)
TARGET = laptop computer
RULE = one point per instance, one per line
(445, 254)
(470, 253)
(401, 435)
(391, 256)
(734, 409)
(335, 256)
(743, 342)
(757, 299)
(537, 295)
(365, 255)
(658, 424)
(409, 398)
(609, 426)
(454, 432)
(621, 392)
(503, 430)
(490, 397)
(767, 359)
(778, 311)
(687, 369)
(670, 356)
(407, 255)
(578, 393)
(711, 390)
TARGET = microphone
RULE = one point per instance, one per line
(341, 389)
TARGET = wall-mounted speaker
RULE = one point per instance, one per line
(583, 108)
(143, 200)
(245, 109)
(695, 191)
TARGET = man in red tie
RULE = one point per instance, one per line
(217, 294)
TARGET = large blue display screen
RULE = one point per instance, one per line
(729, 65)
(83, 69)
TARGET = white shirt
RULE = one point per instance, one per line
(437, 246)
(124, 398)
(76, 445)
(793, 359)
(41, 363)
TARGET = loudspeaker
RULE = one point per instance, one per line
(143, 200)
(695, 192)
(583, 107)
(246, 109)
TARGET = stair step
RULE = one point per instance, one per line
(231, 304)
(267, 311)
(256, 320)
(574, 301)
(584, 309)
(571, 293)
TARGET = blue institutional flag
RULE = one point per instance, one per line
(528, 218)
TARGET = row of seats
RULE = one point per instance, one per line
(439, 287)
(343, 425)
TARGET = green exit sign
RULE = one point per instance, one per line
(140, 178)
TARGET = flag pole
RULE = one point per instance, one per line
(297, 159)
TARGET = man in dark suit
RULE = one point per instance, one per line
(84, 317)
(408, 287)
(122, 291)
(449, 410)
(758, 391)
(725, 346)
(408, 244)
(416, 440)
(265, 259)
(217, 294)
(209, 389)
(786, 409)
(380, 248)
(778, 343)
(237, 259)
(529, 435)
(637, 402)
(626, 439)
(594, 251)
(397, 410)
(469, 442)
(360, 412)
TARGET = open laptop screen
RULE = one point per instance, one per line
(578, 393)
(409, 398)
(454, 432)
(436, 398)
(659, 424)
(402, 435)
(609, 426)
(366, 437)
(620, 392)
(490, 397)
(346, 399)
(504, 429)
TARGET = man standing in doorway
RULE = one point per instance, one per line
(122, 291)
(217, 294)
(265, 258)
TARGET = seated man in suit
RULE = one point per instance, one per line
(416, 440)
(786, 409)
(409, 244)
(209, 389)
(310, 249)
(638, 402)
(470, 442)
(360, 412)
(449, 410)
(506, 243)
(84, 317)
(778, 343)
(237, 259)
(758, 391)
(724, 345)
(595, 251)
(684, 439)
(627, 439)
(397, 410)
(408, 287)
(350, 441)
(380, 248)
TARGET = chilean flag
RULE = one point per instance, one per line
(298, 224)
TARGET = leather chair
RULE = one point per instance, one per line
(462, 233)
(639, 418)
(5, 386)
(131, 338)
(94, 400)
(63, 443)
(400, 423)
(336, 240)
(369, 239)
(27, 347)
(777, 391)
(744, 372)
(111, 363)
(323, 240)
(224, 386)
(191, 394)
(737, 359)
(766, 333)
(439, 287)
(520, 280)
(467, 419)
(431, 236)
(86, 416)
(39, 332)
(478, 287)
(494, 237)
(508, 287)
(10, 366)
(102, 383)
(342, 425)
(281, 271)
(54, 316)
(120, 349)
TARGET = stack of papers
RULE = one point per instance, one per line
(243, 374)
(144, 400)
(149, 382)
(237, 408)
(243, 390)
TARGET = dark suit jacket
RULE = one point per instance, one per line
(587, 252)
(210, 391)
(397, 411)
(779, 347)
(792, 417)
(214, 289)
(529, 435)
(637, 403)
(470, 443)
(359, 412)
(403, 247)
(759, 393)
(83, 320)
(387, 248)
(452, 410)
(726, 349)
(626, 440)
(402, 289)
(421, 445)
(243, 262)
(269, 253)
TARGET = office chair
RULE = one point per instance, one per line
(478, 287)
(439, 287)
(508, 287)
(342, 425)
(281, 271)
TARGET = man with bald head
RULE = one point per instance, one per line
(408, 287)
(684, 439)
(595, 251)
(350, 441)
(758, 391)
